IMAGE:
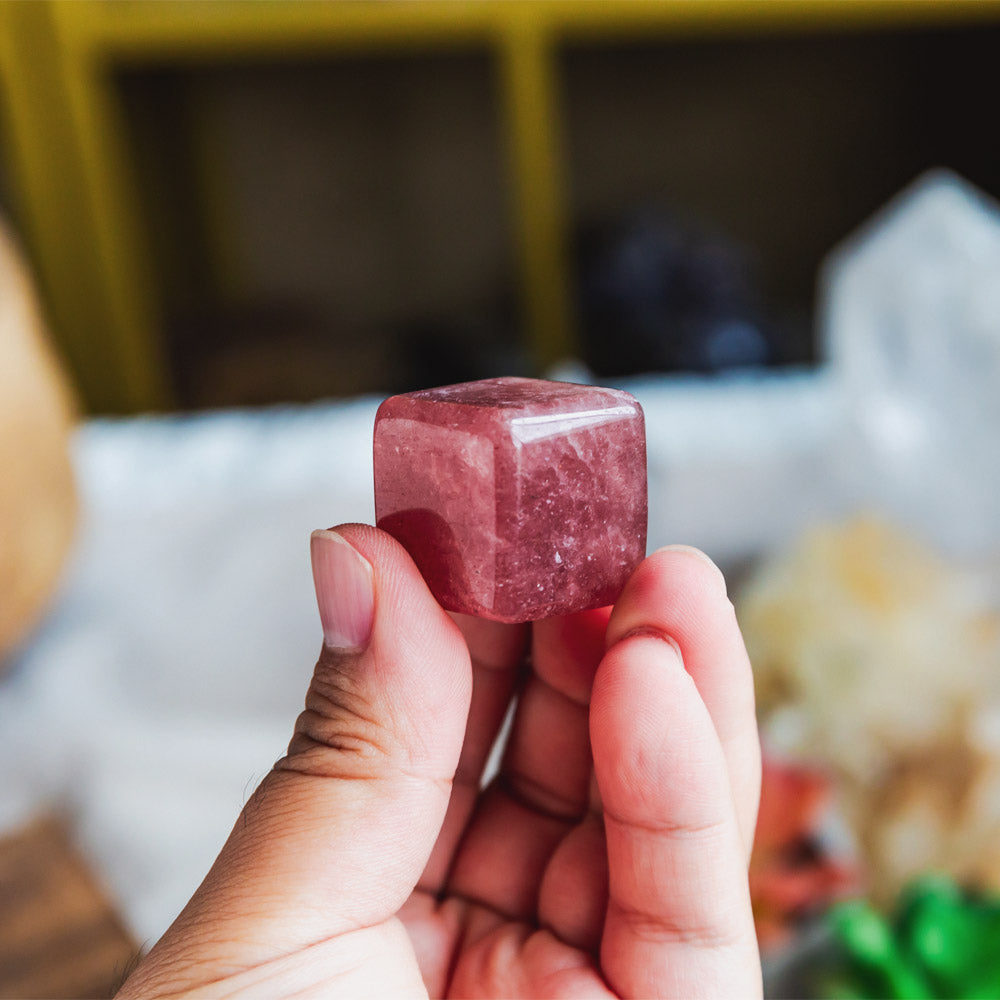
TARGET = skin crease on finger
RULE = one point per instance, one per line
(523, 886)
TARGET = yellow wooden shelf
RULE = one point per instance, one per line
(180, 29)
(75, 173)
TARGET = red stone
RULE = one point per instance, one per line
(518, 499)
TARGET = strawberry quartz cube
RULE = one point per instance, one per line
(518, 499)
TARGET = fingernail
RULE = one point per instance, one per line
(698, 554)
(345, 591)
(671, 641)
(654, 633)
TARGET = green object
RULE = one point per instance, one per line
(940, 942)
(870, 941)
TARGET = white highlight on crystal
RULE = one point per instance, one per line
(527, 430)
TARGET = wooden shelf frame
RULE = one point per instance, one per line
(75, 175)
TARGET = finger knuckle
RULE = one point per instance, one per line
(340, 732)
(710, 931)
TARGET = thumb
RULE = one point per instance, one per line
(337, 835)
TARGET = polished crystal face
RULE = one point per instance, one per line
(517, 498)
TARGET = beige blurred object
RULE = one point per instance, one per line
(62, 937)
(879, 661)
(37, 497)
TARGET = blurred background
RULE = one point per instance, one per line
(233, 227)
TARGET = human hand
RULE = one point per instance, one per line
(607, 858)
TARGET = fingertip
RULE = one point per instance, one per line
(404, 603)
(679, 574)
(680, 593)
(414, 655)
(691, 552)
(378, 547)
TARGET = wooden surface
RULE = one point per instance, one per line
(59, 934)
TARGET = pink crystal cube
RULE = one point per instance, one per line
(517, 498)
